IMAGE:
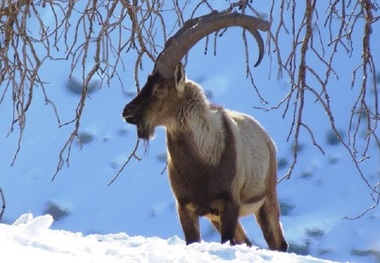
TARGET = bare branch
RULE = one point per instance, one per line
(93, 37)
(376, 201)
(132, 155)
(341, 21)
(3, 204)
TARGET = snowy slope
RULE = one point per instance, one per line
(31, 238)
(323, 190)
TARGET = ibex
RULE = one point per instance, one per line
(221, 164)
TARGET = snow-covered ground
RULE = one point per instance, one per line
(135, 218)
(31, 238)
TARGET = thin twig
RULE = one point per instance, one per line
(132, 155)
(3, 205)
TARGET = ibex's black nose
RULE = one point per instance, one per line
(129, 114)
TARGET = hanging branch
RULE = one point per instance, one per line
(342, 20)
(131, 155)
(3, 204)
(94, 35)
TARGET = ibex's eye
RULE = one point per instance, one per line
(158, 90)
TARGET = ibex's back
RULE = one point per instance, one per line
(221, 164)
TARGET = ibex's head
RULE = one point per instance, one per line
(154, 105)
(157, 103)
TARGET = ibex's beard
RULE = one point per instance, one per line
(145, 131)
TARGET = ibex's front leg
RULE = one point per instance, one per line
(190, 223)
(229, 221)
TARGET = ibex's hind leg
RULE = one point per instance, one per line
(268, 217)
(240, 236)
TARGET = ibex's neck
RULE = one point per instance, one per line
(209, 135)
(202, 126)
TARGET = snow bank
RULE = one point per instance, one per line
(31, 238)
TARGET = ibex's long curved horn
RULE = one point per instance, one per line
(195, 29)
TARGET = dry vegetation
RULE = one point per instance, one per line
(98, 33)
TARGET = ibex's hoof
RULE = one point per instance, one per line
(231, 241)
(284, 247)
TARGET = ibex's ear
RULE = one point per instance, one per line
(180, 77)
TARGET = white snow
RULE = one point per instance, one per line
(31, 238)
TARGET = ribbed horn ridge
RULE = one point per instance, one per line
(195, 29)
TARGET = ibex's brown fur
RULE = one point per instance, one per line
(221, 164)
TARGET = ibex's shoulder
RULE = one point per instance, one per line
(250, 131)
(239, 117)
(193, 87)
(246, 123)
(194, 92)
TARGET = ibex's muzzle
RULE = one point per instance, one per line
(132, 115)
(129, 114)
